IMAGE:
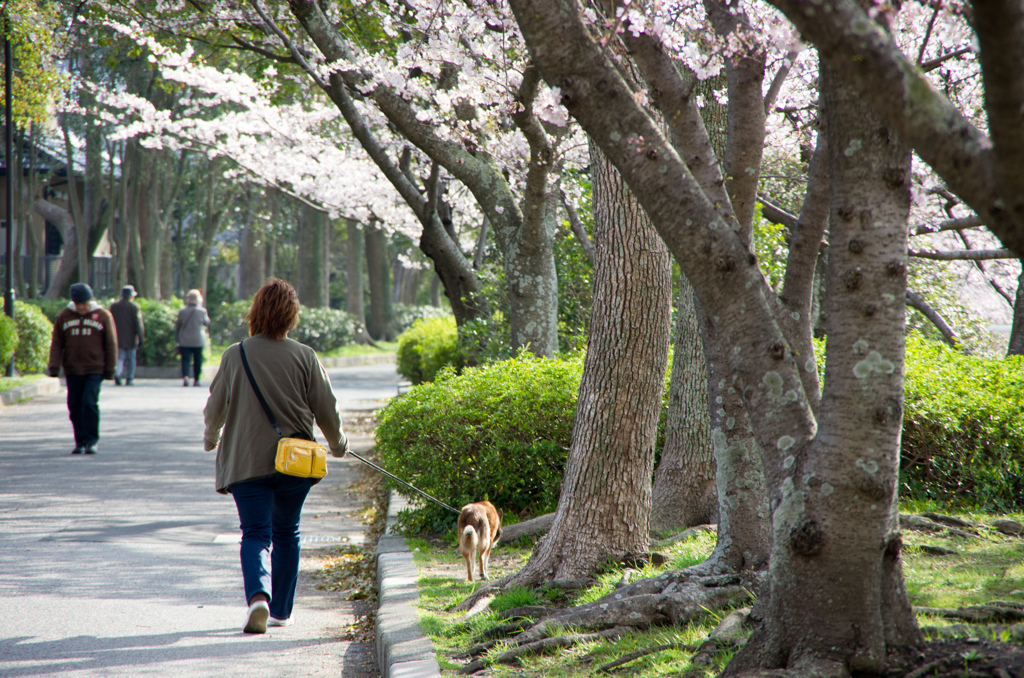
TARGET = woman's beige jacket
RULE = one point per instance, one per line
(298, 391)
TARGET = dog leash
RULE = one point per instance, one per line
(411, 487)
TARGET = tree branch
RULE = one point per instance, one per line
(950, 225)
(779, 79)
(916, 301)
(290, 45)
(262, 51)
(862, 52)
(776, 214)
(577, 227)
(963, 255)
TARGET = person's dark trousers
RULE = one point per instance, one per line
(84, 407)
(193, 355)
(269, 509)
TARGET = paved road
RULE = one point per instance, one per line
(126, 563)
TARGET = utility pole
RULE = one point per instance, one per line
(8, 161)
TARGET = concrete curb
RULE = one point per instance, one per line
(43, 386)
(402, 649)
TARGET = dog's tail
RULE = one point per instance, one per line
(468, 540)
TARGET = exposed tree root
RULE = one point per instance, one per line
(1015, 632)
(527, 528)
(486, 589)
(529, 612)
(977, 614)
(504, 631)
(544, 645)
(921, 523)
(625, 659)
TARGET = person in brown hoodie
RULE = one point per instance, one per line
(84, 343)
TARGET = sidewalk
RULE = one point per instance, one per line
(126, 563)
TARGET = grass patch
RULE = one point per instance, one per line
(443, 585)
(981, 570)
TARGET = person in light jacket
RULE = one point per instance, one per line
(298, 392)
(188, 332)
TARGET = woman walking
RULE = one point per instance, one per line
(298, 392)
(188, 332)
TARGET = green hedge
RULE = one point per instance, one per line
(499, 432)
(963, 428)
(404, 315)
(227, 322)
(429, 345)
(159, 317)
(49, 307)
(34, 333)
(8, 339)
(324, 329)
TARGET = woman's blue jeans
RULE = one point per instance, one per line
(269, 509)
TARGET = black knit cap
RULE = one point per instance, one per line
(80, 293)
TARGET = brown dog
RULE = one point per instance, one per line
(479, 531)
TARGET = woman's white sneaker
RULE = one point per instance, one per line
(256, 618)
(280, 622)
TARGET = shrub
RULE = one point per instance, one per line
(324, 329)
(405, 315)
(426, 347)
(34, 333)
(227, 322)
(499, 432)
(50, 307)
(159, 317)
(8, 339)
(963, 428)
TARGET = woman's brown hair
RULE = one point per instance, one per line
(274, 310)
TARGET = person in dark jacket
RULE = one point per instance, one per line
(191, 337)
(84, 343)
(131, 332)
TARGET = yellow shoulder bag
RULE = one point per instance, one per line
(298, 454)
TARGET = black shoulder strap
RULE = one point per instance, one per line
(263, 402)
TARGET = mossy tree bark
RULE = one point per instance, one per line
(837, 599)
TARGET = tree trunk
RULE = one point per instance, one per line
(150, 232)
(63, 220)
(684, 492)
(251, 259)
(311, 261)
(837, 598)
(532, 281)
(28, 192)
(528, 247)
(435, 291)
(1016, 343)
(604, 507)
(377, 271)
(354, 279)
(218, 208)
(744, 538)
